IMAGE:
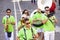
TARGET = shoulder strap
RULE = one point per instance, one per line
(49, 16)
(32, 32)
(50, 21)
(25, 34)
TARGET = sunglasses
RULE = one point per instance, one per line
(28, 23)
(47, 10)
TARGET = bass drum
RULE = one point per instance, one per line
(43, 3)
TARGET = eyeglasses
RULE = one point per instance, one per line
(28, 23)
(47, 10)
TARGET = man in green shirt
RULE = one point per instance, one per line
(49, 33)
(39, 19)
(8, 22)
(27, 32)
(51, 16)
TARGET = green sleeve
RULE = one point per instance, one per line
(13, 19)
(20, 33)
(3, 20)
(34, 30)
(19, 24)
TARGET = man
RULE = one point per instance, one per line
(51, 17)
(8, 22)
(38, 21)
(27, 32)
(49, 29)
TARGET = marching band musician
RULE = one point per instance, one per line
(27, 32)
(25, 14)
(51, 17)
(8, 22)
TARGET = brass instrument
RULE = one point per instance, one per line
(22, 24)
(7, 23)
(43, 3)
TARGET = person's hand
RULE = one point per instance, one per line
(8, 22)
(39, 19)
(6, 27)
(17, 38)
(23, 24)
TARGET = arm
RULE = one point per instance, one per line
(17, 38)
(35, 36)
(19, 35)
(20, 25)
(4, 23)
(5, 26)
(55, 20)
(44, 21)
(13, 23)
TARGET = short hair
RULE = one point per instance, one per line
(46, 7)
(8, 9)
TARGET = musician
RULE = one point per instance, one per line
(8, 22)
(25, 14)
(41, 21)
(49, 34)
(27, 32)
(51, 17)
(38, 21)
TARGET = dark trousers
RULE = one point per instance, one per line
(33, 1)
(9, 34)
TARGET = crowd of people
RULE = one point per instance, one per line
(41, 26)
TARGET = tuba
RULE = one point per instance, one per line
(41, 4)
